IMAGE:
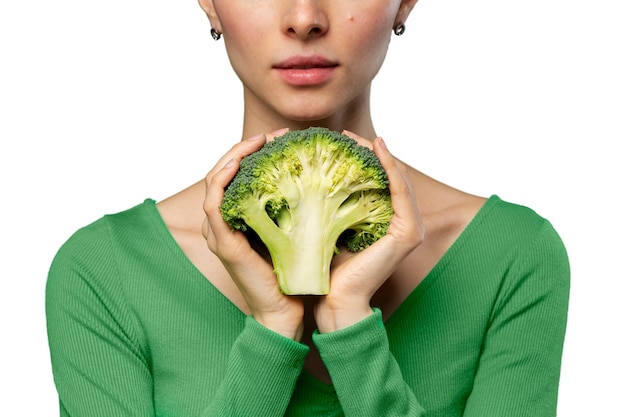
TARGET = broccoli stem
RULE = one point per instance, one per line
(305, 268)
(302, 252)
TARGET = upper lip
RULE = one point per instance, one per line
(305, 62)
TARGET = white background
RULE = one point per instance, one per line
(103, 104)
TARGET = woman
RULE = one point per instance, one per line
(161, 310)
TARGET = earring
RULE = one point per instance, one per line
(215, 34)
(399, 29)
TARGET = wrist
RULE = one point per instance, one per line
(291, 328)
(330, 319)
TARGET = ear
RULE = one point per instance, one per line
(209, 9)
(403, 12)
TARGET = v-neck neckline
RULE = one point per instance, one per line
(416, 293)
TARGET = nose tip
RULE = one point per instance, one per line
(305, 19)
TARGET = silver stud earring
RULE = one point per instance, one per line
(215, 34)
(399, 29)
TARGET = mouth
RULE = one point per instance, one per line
(306, 71)
(304, 63)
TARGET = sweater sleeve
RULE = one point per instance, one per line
(100, 368)
(519, 368)
(262, 372)
(101, 360)
(365, 374)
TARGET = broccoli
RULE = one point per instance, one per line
(304, 194)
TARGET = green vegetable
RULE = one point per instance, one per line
(304, 194)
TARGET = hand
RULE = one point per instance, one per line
(356, 277)
(252, 274)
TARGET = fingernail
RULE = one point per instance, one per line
(256, 137)
(382, 143)
(349, 133)
(280, 132)
(229, 163)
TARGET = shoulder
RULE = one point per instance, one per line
(487, 226)
(100, 233)
(90, 253)
(502, 221)
(528, 251)
(517, 222)
(85, 292)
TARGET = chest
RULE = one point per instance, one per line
(392, 294)
(435, 336)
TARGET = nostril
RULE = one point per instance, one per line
(306, 32)
(315, 31)
(306, 27)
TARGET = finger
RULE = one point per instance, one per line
(244, 148)
(406, 219)
(360, 140)
(210, 238)
(216, 229)
(215, 184)
(240, 150)
(205, 228)
(271, 136)
(399, 182)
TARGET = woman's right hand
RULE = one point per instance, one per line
(251, 272)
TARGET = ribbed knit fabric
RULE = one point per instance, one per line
(136, 330)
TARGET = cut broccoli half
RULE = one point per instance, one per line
(305, 194)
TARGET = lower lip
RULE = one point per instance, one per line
(304, 77)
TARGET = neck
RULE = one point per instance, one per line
(355, 117)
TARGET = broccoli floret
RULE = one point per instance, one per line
(304, 194)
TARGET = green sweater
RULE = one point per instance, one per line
(136, 330)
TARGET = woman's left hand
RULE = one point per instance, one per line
(356, 277)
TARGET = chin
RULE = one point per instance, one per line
(307, 104)
(309, 120)
(303, 113)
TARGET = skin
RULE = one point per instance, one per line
(354, 35)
